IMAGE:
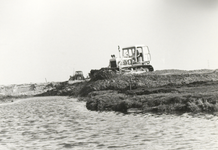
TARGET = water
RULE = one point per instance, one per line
(50, 123)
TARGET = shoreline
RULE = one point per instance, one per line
(161, 91)
(166, 91)
(12, 98)
(21, 99)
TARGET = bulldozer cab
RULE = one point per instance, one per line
(132, 58)
(138, 54)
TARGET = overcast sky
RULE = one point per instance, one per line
(51, 38)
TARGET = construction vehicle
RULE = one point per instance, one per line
(133, 58)
(77, 77)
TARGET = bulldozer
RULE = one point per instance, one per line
(132, 59)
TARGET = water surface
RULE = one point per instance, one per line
(61, 123)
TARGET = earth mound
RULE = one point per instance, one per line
(163, 91)
(103, 73)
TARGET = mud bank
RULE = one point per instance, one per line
(166, 91)
(163, 91)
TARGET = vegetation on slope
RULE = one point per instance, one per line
(164, 91)
(160, 91)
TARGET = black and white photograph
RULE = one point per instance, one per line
(108, 74)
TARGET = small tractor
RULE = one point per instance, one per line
(77, 76)
(132, 59)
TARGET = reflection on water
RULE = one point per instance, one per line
(62, 123)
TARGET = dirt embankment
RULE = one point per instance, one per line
(164, 91)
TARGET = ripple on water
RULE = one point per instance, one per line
(62, 123)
